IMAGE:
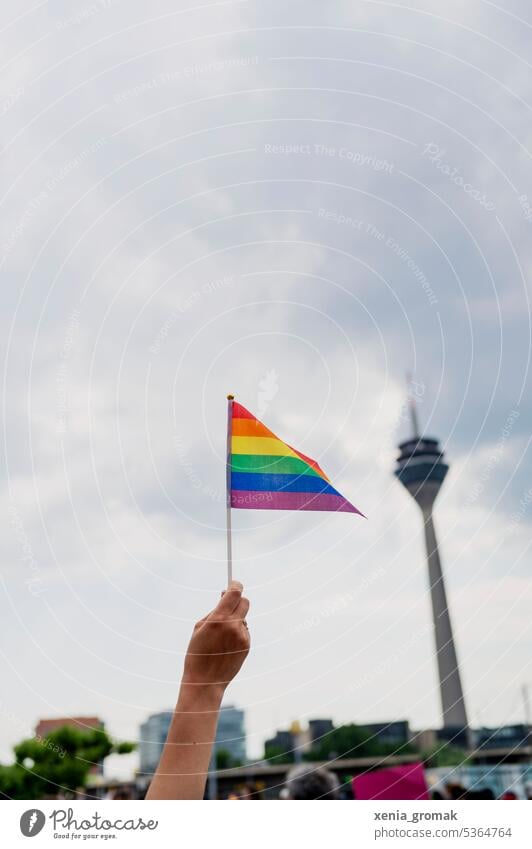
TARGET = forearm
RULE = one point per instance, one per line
(217, 649)
(182, 770)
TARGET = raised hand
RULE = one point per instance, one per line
(220, 642)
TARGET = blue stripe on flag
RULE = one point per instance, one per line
(279, 483)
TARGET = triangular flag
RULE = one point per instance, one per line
(268, 474)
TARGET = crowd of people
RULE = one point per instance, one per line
(310, 782)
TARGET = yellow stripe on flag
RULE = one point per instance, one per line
(261, 445)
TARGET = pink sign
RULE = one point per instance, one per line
(396, 782)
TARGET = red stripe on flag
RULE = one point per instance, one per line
(240, 412)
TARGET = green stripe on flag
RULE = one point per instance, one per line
(263, 464)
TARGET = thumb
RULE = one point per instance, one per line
(229, 601)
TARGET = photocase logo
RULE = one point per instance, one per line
(32, 822)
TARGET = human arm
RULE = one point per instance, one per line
(217, 649)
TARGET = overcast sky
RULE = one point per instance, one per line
(295, 202)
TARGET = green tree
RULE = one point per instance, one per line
(276, 755)
(352, 741)
(57, 763)
(223, 759)
(445, 755)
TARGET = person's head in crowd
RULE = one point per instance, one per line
(307, 782)
(455, 791)
(436, 795)
(509, 796)
(246, 791)
(483, 793)
(122, 793)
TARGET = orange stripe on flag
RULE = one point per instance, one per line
(251, 427)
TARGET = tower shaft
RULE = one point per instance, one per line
(451, 693)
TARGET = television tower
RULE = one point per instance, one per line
(422, 470)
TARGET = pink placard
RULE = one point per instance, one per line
(397, 782)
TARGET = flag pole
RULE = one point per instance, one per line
(230, 399)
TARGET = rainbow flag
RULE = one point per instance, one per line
(266, 473)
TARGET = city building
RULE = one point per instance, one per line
(282, 742)
(510, 739)
(230, 737)
(456, 736)
(231, 733)
(505, 737)
(424, 740)
(428, 739)
(298, 740)
(421, 469)
(318, 728)
(390, 733)
(152, 738)
(83, 723)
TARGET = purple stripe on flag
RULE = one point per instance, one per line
(254, 500)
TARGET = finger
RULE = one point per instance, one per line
(232, 585)
(202, 620)
(242, 609)
(229, 601)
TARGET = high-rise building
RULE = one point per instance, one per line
(152, 738)
(421, 469)
(231, 733)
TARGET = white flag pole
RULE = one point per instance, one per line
(230, 399)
